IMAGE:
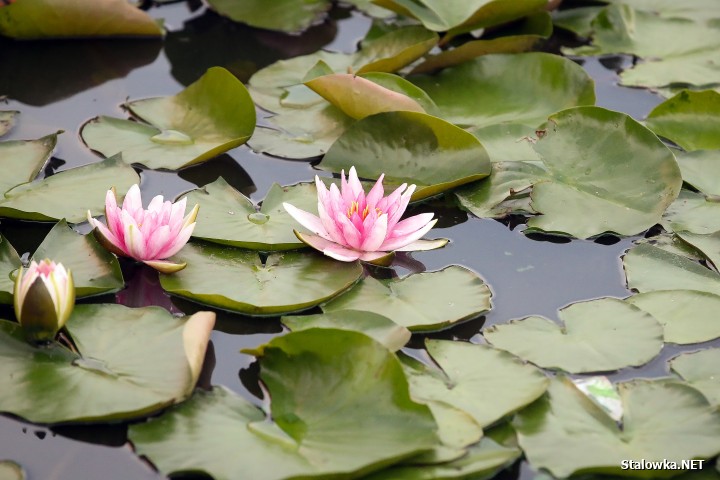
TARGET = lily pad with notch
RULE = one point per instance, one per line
(229, 217)
(114, 376)
(244, 281)
(213, 115)
(421, 301)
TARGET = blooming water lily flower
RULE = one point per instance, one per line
(44, 297)
(352, 225)
(149, 236)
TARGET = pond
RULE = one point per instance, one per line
(59, 85)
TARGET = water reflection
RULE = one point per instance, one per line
(42, 72)
(223, 166)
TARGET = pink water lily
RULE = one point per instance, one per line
(352, 225)
(149, 236)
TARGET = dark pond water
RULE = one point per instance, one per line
(61, 85)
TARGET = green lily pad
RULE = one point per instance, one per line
(484, 198)
(116, 376)
(213, 115)
(400, 85)
(10, 470)
(358, 97)
(58, 196)
(457, 431)
(692, 212)
(603, 162)
(621, 29)
(698, 10)
(375, 326)
(485, 382)
(596, 336)
(566, 432)
(577, 20)
(340, 409)
(461, 16)
(487, 90)
(694, 70)
(239, 281)
(708, 245)
(393, 50)
(22, 160)
(431, 153)
(229, 217)
(482, 461)
(421, 301)
(8, 118)
(650, 268)
(283, 15)
(687, 316)
(95, 270)
(690, 119)
(508, 142)
(700, 370)
(701, 169)
(9, 262)
(31, 19)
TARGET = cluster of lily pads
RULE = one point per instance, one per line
(432, 98)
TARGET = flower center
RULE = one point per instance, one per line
(355, 208)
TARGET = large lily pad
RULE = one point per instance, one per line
(59, 197)
(687, 316)
(621, 29)
(132, 362)
(30, 19)
(283, 15)
(431, 153)
(340, 408)
(690, 119)
(567, 433)
(22, 160)
(692, 212)
(229, 217)
(485, 382)
(650, 268)
(421, 301)
(8, 118)
(700, 370)
(95, 270)
(701, 169)
(375, 326)
(487, 90)
(603, 162)
(599, 335)
(9, 262)
(240, 281)
(211, 116)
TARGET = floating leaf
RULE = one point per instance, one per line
(650, 268)
(400, 85)
(620, 29)
(600, 335)
(484, 198)
(421, 301)
(9, 262)
(431, 153)
(340, 408)
(229, 217)
(692, 212)
(283, 15)
(487, 90)
(59, 197)
(508, 142)
(22, 160)
(566, 433)
(394, 50)
(8, 118)
(700, 370)
(603, 162)
(358, 97)
(485, 382)
(708, 245)
(95, 270)
(577, 20)
(697, 69)
(241, 282)
(132, 362)
(29, 19)
(701, 169)
(690, 119)
(211, 116)
(698, 10)
(687, 316)
(375, 326)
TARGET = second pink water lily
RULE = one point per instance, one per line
(351, 225)
(150, 236)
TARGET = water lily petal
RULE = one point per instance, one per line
(307, 220)
(165, 266)
(133, 201)
(177, 243)
(376, 193)
(411, 224)
(331, 249)
(402, 241)
(382, 259)
(376, 236)
(421, 245)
